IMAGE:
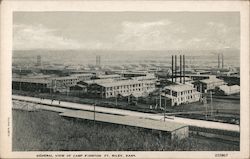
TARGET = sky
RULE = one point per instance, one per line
(126, 30)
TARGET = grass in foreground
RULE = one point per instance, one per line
(47, 131)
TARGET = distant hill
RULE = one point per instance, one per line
(113, 57)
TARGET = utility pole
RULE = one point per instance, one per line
(94, 113)
(115, 100)
(184, 80)
(211, 103)
(20, 84)
(128, 100)
(160, 98)
(165, 108)
(180, 69)
(172, 69)
(175, 67)
(204, 102)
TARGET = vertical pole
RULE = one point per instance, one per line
(67, 89)
(94, 113)
(184, 80)
(50, 87)
(180, 69)
(222, 60)
(165, 108)
(211, 103)
(160, 99)
(218, 60)
(116, 100)
(175, 63)
(204, 98)
(20, 84)
(96, 60)
(172, 68)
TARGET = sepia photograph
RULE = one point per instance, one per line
(134, 81)
(161, 81)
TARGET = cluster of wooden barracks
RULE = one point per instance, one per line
(138, 84)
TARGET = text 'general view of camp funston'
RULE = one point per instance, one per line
(126, 81)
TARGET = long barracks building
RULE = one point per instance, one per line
(108, 89)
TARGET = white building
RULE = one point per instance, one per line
(82, 76)
(115, 88)
(181, 94)
(149, 81)
(208, 84)
(228, 90)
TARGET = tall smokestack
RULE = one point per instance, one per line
(175, 67)
(184, 69)
(218, 60)
(96, 60)
(180, 68)
(172, 68)
(222, 60)
(38, 60)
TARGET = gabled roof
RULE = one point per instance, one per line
(211, 80)
(229, 88)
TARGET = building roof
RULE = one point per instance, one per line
(211, 80)
(187, 79)
(80, 85)
(31, 80)
(64, 78)
(180, 87)
(109, 76)
(82, 74)
(227, 88)
(119, 83)
(202, 75)
(125, 120)
(147, 77)
(135, 73)
(98, 81)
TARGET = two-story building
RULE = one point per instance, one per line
(181, 94)
(208, 84)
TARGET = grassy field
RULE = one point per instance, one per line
(47, 131)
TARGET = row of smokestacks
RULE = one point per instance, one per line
(220, 61)
(181, 73)
(98, 60)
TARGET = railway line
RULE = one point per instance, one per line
(76, 106)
